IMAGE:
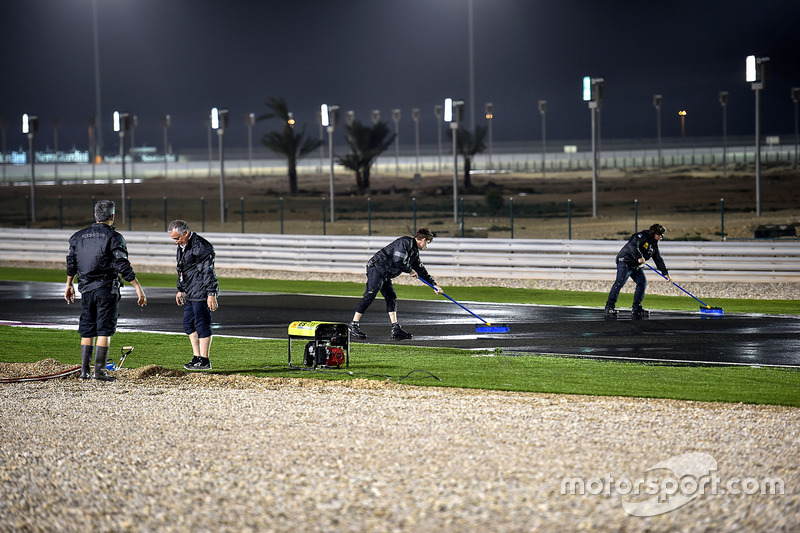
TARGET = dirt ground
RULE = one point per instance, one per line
(693, 203)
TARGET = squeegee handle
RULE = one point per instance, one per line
(455, 302)
(681, 288)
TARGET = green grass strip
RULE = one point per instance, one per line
(422, 366)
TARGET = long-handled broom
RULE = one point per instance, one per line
(486, 328)
(704, 307)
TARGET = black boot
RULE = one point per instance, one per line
(100, 373)
(610, 311)
(355, 330)
(86, 361)
(399, 333)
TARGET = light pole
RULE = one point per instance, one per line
(219, 121)
(682, 114)
(795, 99)
(122, 122)
(489, 116)
(54, 122)
(92, 126)
(454, 113)
(3, 126)
(756, 74)
(30, 124)
(437, 110)
(166, 120)
(543, 112)
(415, 116)
(471, 67)
(396, 119)
(375, 116)
(723, 101)
(250, 120)
(657, 104)
(330, 116)
(133, 125)
(593, 89)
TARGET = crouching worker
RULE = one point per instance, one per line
(402, 255)
(98, 255)
(631, 258)
(198, 289)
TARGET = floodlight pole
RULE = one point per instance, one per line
(328, 115)
(55, 147)
(795, 99)
(121, 124)
(415, 116)
(396, 119)
(437, 110)
(723, 100)
(755, 73)
(219, 121)
(593, 94)
(489, 116)
(453, 113)
(250, 120)
(375, 116)
(543, 112)
(29, 127)
(165, 122)
(657, 104)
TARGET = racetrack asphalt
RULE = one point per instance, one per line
(663, 336)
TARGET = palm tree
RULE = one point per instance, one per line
(469, 144)
(287, 142)
(366, 143)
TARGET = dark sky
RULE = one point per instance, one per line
(184, 57)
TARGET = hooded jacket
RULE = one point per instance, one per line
(196, 276)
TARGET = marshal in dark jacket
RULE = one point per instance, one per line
(196, 276)
(642, 245)
(98, 255)
(399, 256)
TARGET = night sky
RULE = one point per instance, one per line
(184, 57)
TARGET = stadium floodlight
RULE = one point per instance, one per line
(593, 95)
(122, 122)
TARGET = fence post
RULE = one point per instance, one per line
(28, 211)
(281, 203)
(203, 214)
(462, 216)
(511, 207)
(369, 217)
(130, 213)
(241, 201)
(569, 218)
(414, 210)
(165, 214)
(636, 216)
(60, 214)
(722, 219)
(324, 230)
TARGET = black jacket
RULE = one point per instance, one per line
(196, 276)
(98, 255)
(401, 255)
(645, 245)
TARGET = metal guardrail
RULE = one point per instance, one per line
(751, 261)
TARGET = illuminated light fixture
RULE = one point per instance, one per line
(323, 113)
(215, 118)
(587, 89)
(750, 71)
(448, 110)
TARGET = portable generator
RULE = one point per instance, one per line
(327, 343)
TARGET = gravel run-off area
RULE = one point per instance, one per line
(163, 450)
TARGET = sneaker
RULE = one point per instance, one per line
(191, 364)
(399, 333)
(611, 312)
(202, 364)
(639, 312)
(355, 331)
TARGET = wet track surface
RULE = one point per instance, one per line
(665, 336)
